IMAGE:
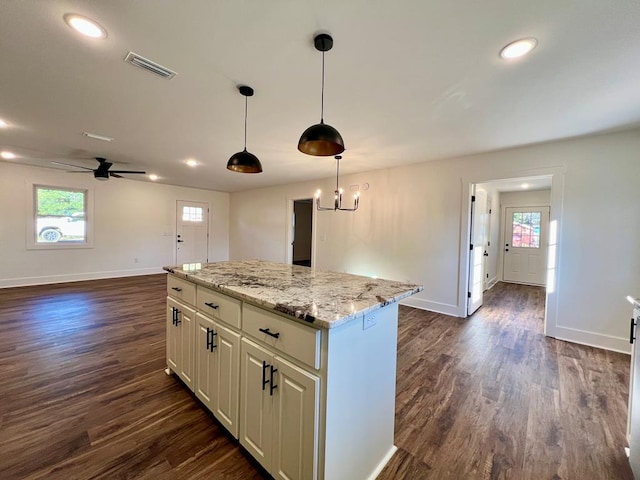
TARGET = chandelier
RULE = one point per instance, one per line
(337, 197)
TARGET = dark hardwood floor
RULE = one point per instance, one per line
(83, 394)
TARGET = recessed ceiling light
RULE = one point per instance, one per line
(518, 48)
(153, 177)
(191, 162)
(7, 155)
(524, 185)
(85, 26)
(3, 124)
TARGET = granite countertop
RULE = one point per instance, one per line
(318, 297)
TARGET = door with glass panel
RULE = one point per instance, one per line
(525, 245)
(192, 232)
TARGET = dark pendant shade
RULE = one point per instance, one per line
(244, 162)
(321, 140)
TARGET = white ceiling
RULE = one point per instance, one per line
(406, 81)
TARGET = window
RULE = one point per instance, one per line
(526, 229)
(192, 214)
(59, 217)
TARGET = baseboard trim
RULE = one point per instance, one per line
(590, 339)
(76, 277)
(383, 463)
(445, 308)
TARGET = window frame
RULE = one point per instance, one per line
(32, 218)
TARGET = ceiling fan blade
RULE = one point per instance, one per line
(71, 165)
(127, 171)
(113, 174)
(79, 171)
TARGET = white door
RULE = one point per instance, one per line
(487, 239)
(634, 400)
(192, 232)
(295, 423)
(526, 244)
(477, 246)
(226, 344)
(256, 402)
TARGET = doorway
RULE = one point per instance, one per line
(302, 232)
(192, 232)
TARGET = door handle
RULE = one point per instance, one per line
(264, 374)
(179, 241)
(272, 386)
(632, 329)
(485, 254)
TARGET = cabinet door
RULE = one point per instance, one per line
(204, 357)
(186, 364)
(295, 429)
(256, 402)
(173, 336)
(226, 368)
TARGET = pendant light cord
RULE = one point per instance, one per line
(245, 123)
(322, 94)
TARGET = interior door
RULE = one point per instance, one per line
(192, 232)
(302, 231)
(477, 243)
(634, 398)
(526, 244)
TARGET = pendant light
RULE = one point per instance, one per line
(321, 140)
(337, 195)
(244, 162)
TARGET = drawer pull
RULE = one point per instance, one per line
(212, 305)
(272, 386)
(210, 334)
(271, 334)
(264, 374)
(177, 289)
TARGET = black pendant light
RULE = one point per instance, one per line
(244, 162)
(321, 140)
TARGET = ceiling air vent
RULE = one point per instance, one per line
(138, 61)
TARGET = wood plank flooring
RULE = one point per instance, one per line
(83, 394)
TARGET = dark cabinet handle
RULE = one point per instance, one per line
(632, 337)
(212, 305)
(272, 386)
(210, 334)
(264, 374)
(175, 319)
(177, 289)
(271, 334)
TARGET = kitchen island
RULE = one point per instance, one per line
(299, 364)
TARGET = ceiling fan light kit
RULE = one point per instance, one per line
(321, 140)
(244, 162)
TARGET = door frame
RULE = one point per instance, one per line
(288, 255)
(557, 175)
(177, 220)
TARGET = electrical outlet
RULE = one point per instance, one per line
(369, 321)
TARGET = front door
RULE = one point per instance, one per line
(192, 232)
(525, 247)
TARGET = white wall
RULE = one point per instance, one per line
(412, 223)
(130, 221)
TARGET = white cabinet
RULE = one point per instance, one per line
(279, 413)
(218, 370)
(180, 320)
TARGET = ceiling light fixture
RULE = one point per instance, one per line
(153, 177)
(85, 26)
(519, 48)
(337, 197)
(244, 162)
(3, 124)
(7, 155)
(97, 137)
(321, 140)
(191, 162)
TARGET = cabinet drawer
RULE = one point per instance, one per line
(218, 305)
(299, 341)
(181, 289)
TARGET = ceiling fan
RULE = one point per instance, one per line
(102, 172)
